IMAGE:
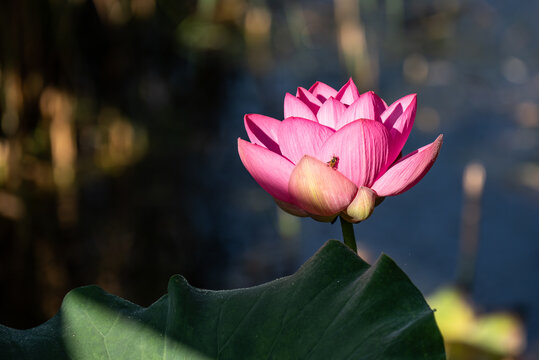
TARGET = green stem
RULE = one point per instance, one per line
(348, 235)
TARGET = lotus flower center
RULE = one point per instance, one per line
(334, 162)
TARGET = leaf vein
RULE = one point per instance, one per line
(332, 322)
(287, 321)
(242, 320)
(92, 323)
(218, 325)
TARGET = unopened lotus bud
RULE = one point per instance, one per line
(362, 206)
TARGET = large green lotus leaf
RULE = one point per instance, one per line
(335, 306)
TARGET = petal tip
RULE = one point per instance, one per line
(438, 143)
(313, 86)
(409, 170)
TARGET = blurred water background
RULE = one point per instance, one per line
(118, 144)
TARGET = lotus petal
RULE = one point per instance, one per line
(309, 99)
(298, 137)
(348, 93)
(399, 119)
(262, 130)
(406, 172)
(270, 170)
(322, 91)
(367, 106)
(291, 208)
(361, 207)
(320, 189)
(330, 112)
(294, 107)
(361, 149)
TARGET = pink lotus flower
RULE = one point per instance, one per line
(336, 152)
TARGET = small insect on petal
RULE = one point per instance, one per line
(333, 163)
(319, 190)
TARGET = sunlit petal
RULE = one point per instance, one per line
(348, 93)
(291, 208)
(309, 99)
(322, 91)
(320, 189)
(361, 149)
(367, 106)
(298, 137)
(361, 207)
(262, 130)
(399, 119)
(294, 107)
(407, 172)
(270, 170)
(330, 112)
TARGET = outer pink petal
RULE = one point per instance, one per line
(262, 130)
(348, 93)
(361, 148)
(399, 119)
(367, 106)
(322, 91)
(291, 208)
(320, 189)
(294, 107)
(271, 171)
(299, 137)
(407, 172)
(330, 112)
(309, 99)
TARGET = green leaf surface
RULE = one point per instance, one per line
(335, 306)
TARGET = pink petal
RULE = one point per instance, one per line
(271, 171)
(294, 107)
(262, 130)
(309, 99)
(407, 172)
(361, 148)
(348, 93)
(361, 207)
(367, 106)
(330, 218)
(299, 137)
(320, 189)
(291, 208)
(330, 112)
(322, 91)
(399, 119)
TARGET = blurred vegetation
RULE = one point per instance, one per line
(472, 336)
(88, 89)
